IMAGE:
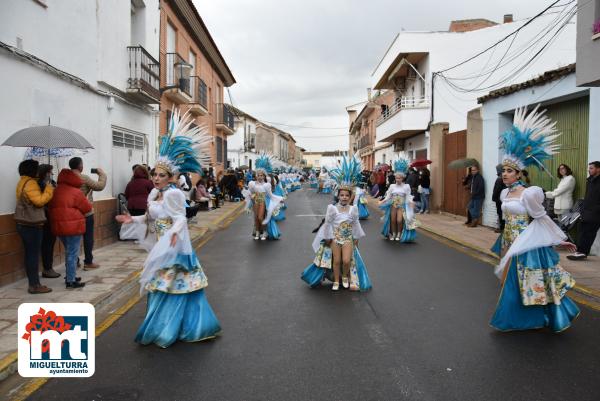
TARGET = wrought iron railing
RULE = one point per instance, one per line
(199, 91)
(144, 72)
(404, 102)
(225, 115)
(178, 73)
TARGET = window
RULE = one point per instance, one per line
(219, 149)
(122, 139)
(169, 113)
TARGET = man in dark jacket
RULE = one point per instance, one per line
(498, 187)
(477, 196)
(590, 215)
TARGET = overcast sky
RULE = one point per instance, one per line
(301, 62)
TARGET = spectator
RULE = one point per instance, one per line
(590, 215)
(498, 187)
(466, 183)
(425, 190)
(137, 191)
(563, 194)
(381, 180)
(413, 181)
(48, 239)
(88, 186)
(213, 189)
(68, 210)
(202, 194)
(184, 182)
(30, 218)
(477, 196)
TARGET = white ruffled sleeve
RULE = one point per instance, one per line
(541, 232)
(326, 230)
(174, 204)
(357, 231)
(274, 201)
(247, 194)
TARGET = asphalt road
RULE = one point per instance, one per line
(422, 333)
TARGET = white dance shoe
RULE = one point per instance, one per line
(335, 286)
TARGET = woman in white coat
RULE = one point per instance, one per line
(563, 194)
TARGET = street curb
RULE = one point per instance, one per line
(8, 365)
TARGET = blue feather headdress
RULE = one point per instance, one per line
(264, 162)
(530, 141)
(184, 148)
(348, 174)
(401, 166)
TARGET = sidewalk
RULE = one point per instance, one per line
(120, 265)
(480, 239)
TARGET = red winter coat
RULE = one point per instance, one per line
(68, 207)
(137, 191)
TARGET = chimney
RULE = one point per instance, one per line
(508, 18)
(352, 116)
(369, 94)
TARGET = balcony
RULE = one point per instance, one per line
(225, 119)
(143, 85)
(199, 91)
(405, 117)
(177, 88)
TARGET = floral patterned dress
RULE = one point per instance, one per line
(399, 197)
(534, 284)
(341, 227)
(177, 307)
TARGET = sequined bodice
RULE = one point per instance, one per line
(516, 218)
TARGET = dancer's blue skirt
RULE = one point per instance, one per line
(510, 312)
(172, 317)
(272, 229)
(363, 211)
(407, 235)
(313, 275)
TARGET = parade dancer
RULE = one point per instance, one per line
(279, 212)
(312, 179)
(177, 307)
(399, 221)
(326, 180)
(336, 242)
(361, 202)
(534, 285)
(262, 201)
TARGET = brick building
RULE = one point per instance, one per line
(194, 74)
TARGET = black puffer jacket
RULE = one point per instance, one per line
(591, 202)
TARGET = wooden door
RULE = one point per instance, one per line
(455, 196)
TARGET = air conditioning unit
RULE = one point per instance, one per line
(399, 145)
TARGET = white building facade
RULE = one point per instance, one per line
(87, 66)
(422, 98)
(497, 115)
(241, 146)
